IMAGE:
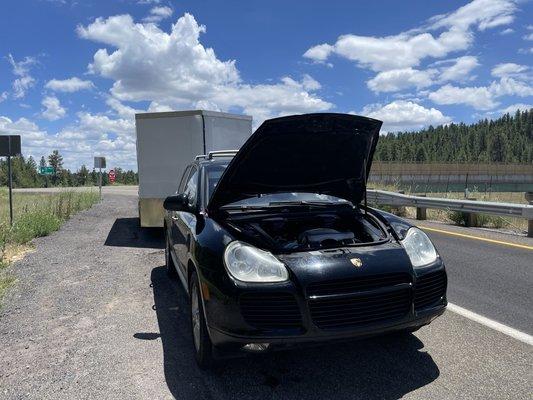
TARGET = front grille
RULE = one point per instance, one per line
(360, 310)
(270, 310)
(429, 289)
(342, 286)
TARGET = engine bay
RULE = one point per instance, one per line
(311, 230)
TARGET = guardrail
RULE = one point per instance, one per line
(470, 207)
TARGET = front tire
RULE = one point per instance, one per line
(203, 348)
(169, 262)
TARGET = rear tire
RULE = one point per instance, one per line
(203, 348)
(169, 263)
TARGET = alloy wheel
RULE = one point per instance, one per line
(195, 317)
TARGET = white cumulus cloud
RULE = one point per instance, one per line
(52, 108)
(402, 115)
(22, 126)
(408, 49)
(483, 14)
(459, 70)
(482, 97)
(394, 80)
(403, 78)
(69, 85)
(478, 97)
(174, 70)
(509, 69)
(320, 52)
(158, 14)
(21, 69)
(514, 107)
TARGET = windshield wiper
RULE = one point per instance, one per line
(243, 207)
(304, 203)
(278, 204)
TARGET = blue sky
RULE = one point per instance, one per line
(73, 73)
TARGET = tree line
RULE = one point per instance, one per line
(508, 139)
(25, 173)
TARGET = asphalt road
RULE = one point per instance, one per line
(93, 315)
(494, 280)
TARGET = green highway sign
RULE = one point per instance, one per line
(46, 170)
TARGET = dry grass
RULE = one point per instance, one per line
(35, 215)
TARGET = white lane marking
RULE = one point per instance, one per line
(497, 326)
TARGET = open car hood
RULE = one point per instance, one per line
(315, 153)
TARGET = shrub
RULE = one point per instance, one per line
(34, 224)
(492, 221)
(457, 217)
(39, 215)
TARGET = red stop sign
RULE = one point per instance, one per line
(111, 176)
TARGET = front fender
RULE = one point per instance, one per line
(397, 224)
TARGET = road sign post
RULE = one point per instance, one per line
(10, 146)
(99, 162)
(10, 183)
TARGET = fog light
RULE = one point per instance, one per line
(256, 347)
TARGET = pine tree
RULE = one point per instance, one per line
(421, 154)
(83, 175)
(55, 160)
(498, 148)
(506, 139)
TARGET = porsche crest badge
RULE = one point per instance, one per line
(357, 263)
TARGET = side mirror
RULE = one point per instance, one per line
(176, 203)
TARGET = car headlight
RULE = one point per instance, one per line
(250, 264)
(419, 248)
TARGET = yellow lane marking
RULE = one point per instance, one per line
(521, 246)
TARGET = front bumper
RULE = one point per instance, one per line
(232, 340)
(416, 300)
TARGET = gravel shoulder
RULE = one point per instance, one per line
(93, 315)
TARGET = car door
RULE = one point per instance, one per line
(173, 230)
(185, 222)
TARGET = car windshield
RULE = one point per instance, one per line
(214, 172)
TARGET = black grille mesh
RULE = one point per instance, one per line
(341, 286)
(270, 310)
(360, 310)
(429, 289)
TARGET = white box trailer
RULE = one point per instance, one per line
(168, 141)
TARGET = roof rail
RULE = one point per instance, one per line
(221, 153)
(218, 153)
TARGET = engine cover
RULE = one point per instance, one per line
(325, 237)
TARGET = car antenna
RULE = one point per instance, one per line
(364, 177)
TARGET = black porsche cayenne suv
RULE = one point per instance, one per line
(275, 246)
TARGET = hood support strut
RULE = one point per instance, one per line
(365, 183)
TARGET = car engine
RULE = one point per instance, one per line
(311, 231)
